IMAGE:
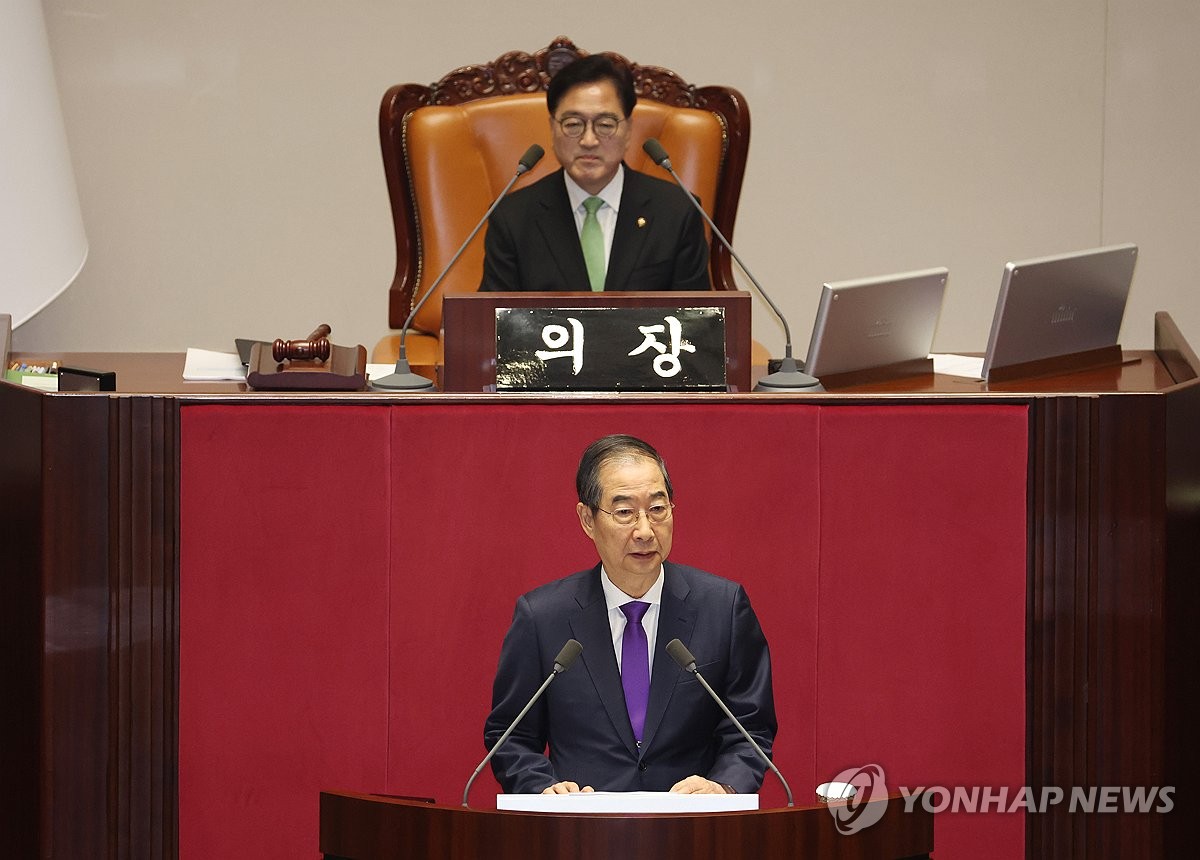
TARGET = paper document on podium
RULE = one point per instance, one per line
(970, 366)
(626, 802)
(205, 365)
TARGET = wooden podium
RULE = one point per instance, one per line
(370, 827)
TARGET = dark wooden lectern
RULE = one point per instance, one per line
(369, 827)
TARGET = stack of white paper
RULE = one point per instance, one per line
(626, 802)
(205, 365)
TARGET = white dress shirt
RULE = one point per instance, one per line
(606, 214)
(616, 598)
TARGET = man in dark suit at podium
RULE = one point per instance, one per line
(626, 717)
(595, 224)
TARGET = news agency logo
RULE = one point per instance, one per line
(850, 794)
(1086, 799)
(857, 812)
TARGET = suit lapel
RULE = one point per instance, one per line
(676, 620)
(628, 237)
(557, 225)
(590, 626)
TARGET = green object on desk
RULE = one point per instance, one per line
(42, 381)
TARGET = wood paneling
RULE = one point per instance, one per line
(88, 517)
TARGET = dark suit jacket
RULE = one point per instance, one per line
(582, 716)
(532, 243)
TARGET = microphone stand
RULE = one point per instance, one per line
(567, 655)
(789, 377)
(681, 655)
(402, 379)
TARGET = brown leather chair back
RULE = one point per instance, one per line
(450, 148)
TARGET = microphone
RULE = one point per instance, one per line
(681, 655)
(788, 377)
(567, 655)
(403, 379)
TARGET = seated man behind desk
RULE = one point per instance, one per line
(643, 233)
(615, 723)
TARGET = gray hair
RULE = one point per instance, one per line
(606, 450)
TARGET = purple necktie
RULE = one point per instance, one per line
(635, 665)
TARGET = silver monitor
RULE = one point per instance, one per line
(875, 322)
(1061, 305)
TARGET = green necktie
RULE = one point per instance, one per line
(592, 239)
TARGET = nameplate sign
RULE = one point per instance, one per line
(610, 349)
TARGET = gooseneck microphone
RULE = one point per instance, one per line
(681, 655)
(403, 379)
(788, 377)
(567, 655)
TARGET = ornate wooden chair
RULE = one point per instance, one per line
(450, 147)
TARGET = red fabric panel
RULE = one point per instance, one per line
(921, 649)
(283, 622)
(377, 678)
(503, 521)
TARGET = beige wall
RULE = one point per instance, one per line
(1152, 156)
(228, 164)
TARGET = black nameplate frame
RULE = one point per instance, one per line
(468, 363)
(624, 348)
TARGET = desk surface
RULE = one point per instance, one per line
(159, 373)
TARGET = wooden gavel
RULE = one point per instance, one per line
(315, 347)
